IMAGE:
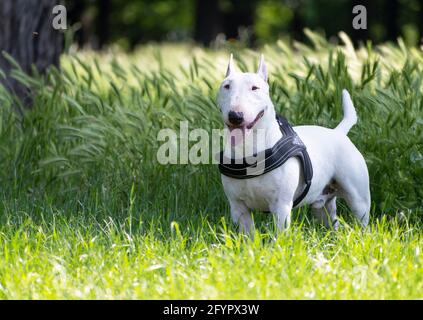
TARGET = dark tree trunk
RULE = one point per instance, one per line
(75, 11)
(28, 36)
(297, 24)
(392, 13)
(241, 17)
(103, 22)
(207, 21)
(420, 22)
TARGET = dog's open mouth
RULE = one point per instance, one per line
(248, 126)
(240, 132)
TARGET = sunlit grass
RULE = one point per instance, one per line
(87, 212)
(83, 257)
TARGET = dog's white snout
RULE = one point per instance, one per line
(236, 108)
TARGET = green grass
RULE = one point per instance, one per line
(87, 212)
(87, 257)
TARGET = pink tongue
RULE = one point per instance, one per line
(238, 135)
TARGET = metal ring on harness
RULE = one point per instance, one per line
(290, 145)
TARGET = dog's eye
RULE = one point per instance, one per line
(254, 88)
(226, 86)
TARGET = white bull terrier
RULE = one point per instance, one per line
(339, 169)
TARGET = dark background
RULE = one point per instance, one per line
(28, 39)
(254, 22)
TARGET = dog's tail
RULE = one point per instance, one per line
(350, 116)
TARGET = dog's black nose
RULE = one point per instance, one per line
(235, 118)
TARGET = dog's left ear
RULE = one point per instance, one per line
(262, 69)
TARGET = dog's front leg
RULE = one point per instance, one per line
(241, 215)
(282, 212)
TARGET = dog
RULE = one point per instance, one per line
(339, 169)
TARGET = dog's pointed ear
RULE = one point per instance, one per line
(230, 68)
(262, 69)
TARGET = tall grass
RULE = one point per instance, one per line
(95, 123)
(87, 211)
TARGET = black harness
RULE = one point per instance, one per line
(290, 145)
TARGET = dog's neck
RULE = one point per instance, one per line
(267, 128)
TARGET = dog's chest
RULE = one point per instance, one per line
(256, 193)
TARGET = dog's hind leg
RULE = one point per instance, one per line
(356, 193)
(327, 214)
(352, 177)
(359, 205)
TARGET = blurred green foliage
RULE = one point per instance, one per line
(151, 20)
(130, 22)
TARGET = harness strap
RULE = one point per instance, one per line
(290, 145)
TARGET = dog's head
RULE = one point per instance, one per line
(244, 99)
